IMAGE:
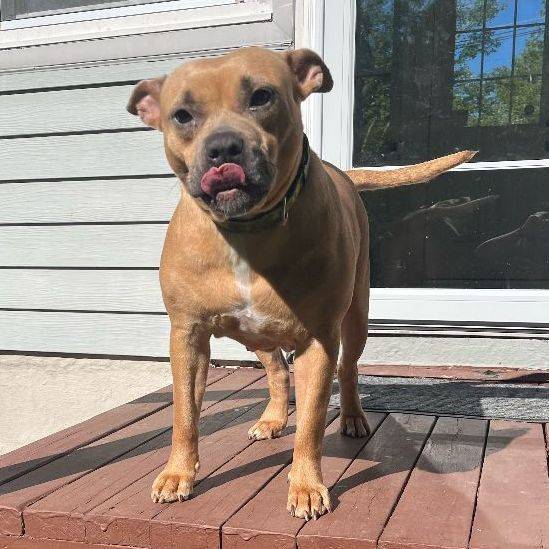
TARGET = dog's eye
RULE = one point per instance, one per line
(183, 116)
(261, 97)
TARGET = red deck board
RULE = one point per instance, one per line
(54, 446)
(24, 542)
(436, 507)
(197, 524)
(40, 452)
(366, 494)
(24, 490)
(546, 432)
(125, 517)
(513, 498)
(410, 486)
(59, 515)
(264, 521)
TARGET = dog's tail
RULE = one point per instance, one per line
(371, 180)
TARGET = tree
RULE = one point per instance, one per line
(510, 95)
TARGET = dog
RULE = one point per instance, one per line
(268, 245)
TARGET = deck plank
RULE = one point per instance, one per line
(513, 498)
(546, 433)
(60, 514)
(264, 521)
(125, 518)
(364, 497)
(436, 508)
(40, 452)
(17, 494)
(24, 542)
(415, 484)
(222, 494)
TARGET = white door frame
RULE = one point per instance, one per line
(327, 26)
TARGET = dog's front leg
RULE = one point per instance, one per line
(190, 356)
(313, 373)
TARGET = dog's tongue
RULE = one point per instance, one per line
(227, 176)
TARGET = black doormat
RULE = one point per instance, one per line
(452, 398)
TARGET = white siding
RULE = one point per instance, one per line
(86, 193)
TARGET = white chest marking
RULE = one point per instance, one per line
(250, 319)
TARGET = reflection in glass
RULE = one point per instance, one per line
(522, 253)
(466, 101)
(498, 52)
(495, 107)
(526, 100)
(373, 67)
(529, 51)
(374, 31)
(468, 55)
(530, 11)
(499, 12)
(373, 118)
(430, 79)
(495, 235)
(469, 14)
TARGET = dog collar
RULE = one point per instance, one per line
(278, 214)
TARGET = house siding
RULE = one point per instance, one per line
(86, 193)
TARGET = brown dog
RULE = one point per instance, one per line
(268, 246)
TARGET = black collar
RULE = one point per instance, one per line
(278, 214)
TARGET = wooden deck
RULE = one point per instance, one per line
(419, 482)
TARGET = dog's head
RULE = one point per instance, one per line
(232, 125)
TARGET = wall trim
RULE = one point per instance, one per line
(485, 166)
(178, 19)
(309, 33)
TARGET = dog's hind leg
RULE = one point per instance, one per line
(354, 332)
(274, 418)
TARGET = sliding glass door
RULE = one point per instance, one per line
(432, 77)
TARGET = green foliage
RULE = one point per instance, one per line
(504, 98)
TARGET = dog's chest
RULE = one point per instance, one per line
(254, 317)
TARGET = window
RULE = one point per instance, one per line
(17, 14)
(17, 9)
(39, 22)
(434, 77)
(498, 61)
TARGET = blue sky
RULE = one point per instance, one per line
(529, 11)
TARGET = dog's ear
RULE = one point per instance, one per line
(311, 73)
(145, 101)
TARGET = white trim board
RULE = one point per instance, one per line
(337, 106)
(432, 305)
(483, 166)
(177, 19)
(76, 15)
(309, 33)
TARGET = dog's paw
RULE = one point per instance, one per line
(355, 425)
(308, 500)
(171, 486)
(266, 428)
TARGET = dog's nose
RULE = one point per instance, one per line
(223, 147)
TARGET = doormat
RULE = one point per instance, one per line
(452, 398)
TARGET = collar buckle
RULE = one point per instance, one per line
(285, 210)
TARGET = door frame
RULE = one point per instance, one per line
(329, 28)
